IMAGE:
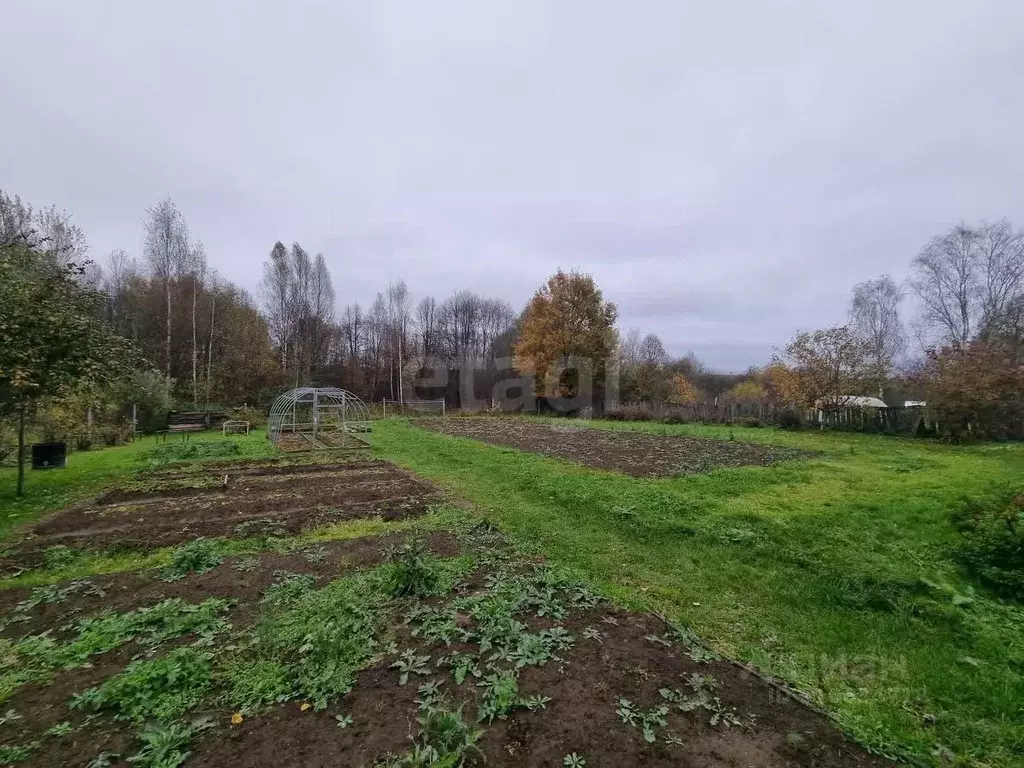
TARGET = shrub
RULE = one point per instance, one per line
(791, 418)
(975, 392)
(635, 412)
(413, 570)
(253, 685)
(58, 556)
(163, 746)
(991, 547)
(173, 453)
(256, 417)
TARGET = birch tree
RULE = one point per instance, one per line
(276, 288)
(196, 266)
(166, 249)
(398, 311)
(967, 277)
(875, 317)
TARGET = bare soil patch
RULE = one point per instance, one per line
(583, 687)
(633, 453)
(247, 500)
(777, 732)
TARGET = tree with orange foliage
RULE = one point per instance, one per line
(977, 390)
(821, 367)
(566, 318)
(683, 392)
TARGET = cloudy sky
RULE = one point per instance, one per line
(725, 170)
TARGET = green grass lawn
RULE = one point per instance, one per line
(89, 471)
(834, 573)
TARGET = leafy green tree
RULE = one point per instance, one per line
(54, 338)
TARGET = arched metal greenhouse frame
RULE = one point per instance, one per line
(325, 417)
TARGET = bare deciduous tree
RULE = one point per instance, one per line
(276, 287)
(651, 351)
(321, 310)
(120, 270)
(967, 277)
(196, 267)
(16, 221)
(458, 321)
(61, 238)
(875, 317)
(1002, 270)
(377, 329)
(398, 317)
(496, 317)
(167, 252)
(426, 327)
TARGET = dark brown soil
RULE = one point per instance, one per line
(330, 439)
(275, 501)
(584, 687)
(254, 466)
(775, 730)
(634, 453)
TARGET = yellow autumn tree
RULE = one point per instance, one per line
(683, 392)
(746, 392)
(567, 317)
(821, 367)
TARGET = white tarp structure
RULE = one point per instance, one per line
(850, 401)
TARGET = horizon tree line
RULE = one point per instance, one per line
(219, 345)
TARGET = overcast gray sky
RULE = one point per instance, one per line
(726, 170)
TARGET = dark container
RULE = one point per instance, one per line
(49, 455)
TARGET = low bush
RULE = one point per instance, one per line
(254, 685)
(173, 453)
(790, 418)
(327, 635)
(413, 570)
(991, 546)
(632, 412)
(256, 417)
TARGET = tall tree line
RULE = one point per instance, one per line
(298, 301)
(203, 332)
(227, 350)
